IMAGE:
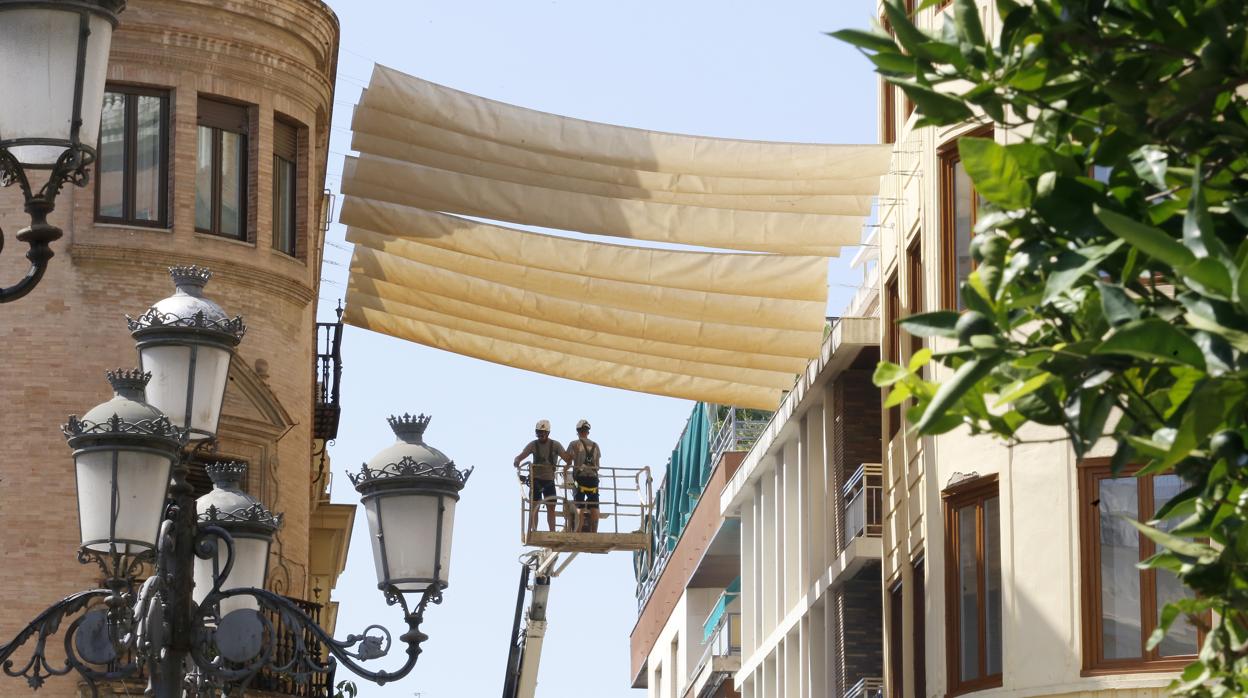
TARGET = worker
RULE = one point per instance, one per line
(546, 453)
(585, 457)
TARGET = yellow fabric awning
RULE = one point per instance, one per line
(725, 327)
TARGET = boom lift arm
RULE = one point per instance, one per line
(528, 630)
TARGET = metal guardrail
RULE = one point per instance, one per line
(319, 685)
(328, 378)
(724, 642)
(867, 687)
(863, 497)
(625, 502)
(738, 430)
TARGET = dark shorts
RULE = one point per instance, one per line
(541, 489)
(583, 484)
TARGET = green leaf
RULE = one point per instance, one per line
(887, 373)
(932, 104)
(966, 18)
(920, 359)
(899, 394)
(1168, 615)
(1210, 277)
(1241, 284)
(996, 173)
(965, 378)
(1198, 232)
(1154, 242)
(1200, 551)
(1153, 339)
(1117, 305)
(938, 323)
(866, 40)
(1021, 388)
(1147, 447)
(1149, 163)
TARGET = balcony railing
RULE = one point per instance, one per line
(320, 685)
(869, 687)
(725, 640)
(738, 430)
(328, 378)
(863, 502)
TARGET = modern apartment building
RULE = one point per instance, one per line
(807, 498)
(1007, 569)
(212, 152)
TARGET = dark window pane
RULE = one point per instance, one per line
(147, 175)
(112, 157)
(232, 159)
(968, 596)
(963, 217)
(1120, 580)
(992, 584)
(284, 205)
(1181, 639)
(203, 180)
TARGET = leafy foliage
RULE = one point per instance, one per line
(1110, 294)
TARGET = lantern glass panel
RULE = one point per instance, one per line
(251, 560)
(170, 365)
(39, 52)
(409, 524)
(142, 482)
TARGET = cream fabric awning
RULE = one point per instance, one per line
(732, 328)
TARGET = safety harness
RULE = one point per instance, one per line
(591, 455)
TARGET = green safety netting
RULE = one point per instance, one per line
(730, 594)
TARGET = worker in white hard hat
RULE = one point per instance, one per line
(546, 453)
(585, 457)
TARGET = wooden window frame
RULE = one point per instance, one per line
(918, 600)
(892, 343)
(896, 641)
(949, 159)
(1091, 472)
(914, 287)
(295, 160)
(962, 495)
(128, 173)
(218, 128)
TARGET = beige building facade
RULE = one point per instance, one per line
(213, 152)
(1007, 570)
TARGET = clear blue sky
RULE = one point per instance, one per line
(731, 69)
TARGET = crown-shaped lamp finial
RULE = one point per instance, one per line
(408, 427)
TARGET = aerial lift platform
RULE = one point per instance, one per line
(623, 520)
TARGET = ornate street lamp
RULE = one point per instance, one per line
(408, 487)
(55, 59)
(124, 450)
(200, 624)
(186, 341)
(250, 524)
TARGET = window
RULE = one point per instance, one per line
(914, 287)
(892, 344)
(896, 640)
(918, 637)
(973, 585)
(1121, 604)
(958, 204)
(221, 170)
(285, 186)
(132, 170)
(888, 111)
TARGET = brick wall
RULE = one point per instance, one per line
(860, 628)
(856, 429)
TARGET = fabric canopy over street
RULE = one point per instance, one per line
(723, 327)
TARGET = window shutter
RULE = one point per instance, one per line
(285, 141)
(228, 117)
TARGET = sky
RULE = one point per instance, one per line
(718, 68)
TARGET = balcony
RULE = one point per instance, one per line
(722, 656)
(328, 378)
(737, 430)
(315, 685)
(863, 497)
(869, 687)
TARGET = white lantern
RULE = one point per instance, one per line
(124, 451)
(55, 59)
(250, 524)
(409, 492)
(187, 341)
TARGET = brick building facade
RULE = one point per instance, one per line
(164, 194)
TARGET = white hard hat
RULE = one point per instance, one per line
(542, 425)
(583, 424)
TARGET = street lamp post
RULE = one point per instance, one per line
(195, 625)
(55, 59)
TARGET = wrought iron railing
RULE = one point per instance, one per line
(737, 430)
(328, 378)
(863, 497)
(867, 687)
(319, 685)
